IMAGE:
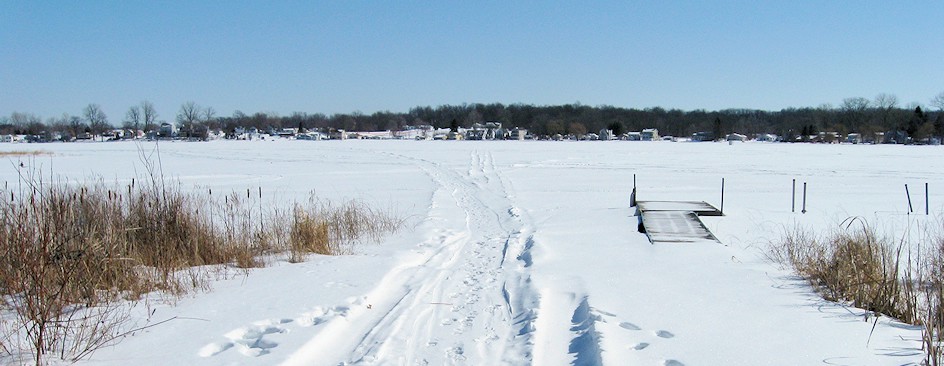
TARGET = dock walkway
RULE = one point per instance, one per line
(675, 221)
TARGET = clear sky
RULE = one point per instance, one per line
(344, 56)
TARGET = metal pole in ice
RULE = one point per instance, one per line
(722, 196)
(793, 198)
(908, 194)
(804, 198)
(926, 200)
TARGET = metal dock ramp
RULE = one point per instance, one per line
(675, 221)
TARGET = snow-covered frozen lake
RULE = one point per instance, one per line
(527, 253)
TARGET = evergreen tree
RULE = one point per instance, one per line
(918, 118)
(718, 129)
(618, 128)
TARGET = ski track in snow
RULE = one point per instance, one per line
(466, 299)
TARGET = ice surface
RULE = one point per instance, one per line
(527, 252)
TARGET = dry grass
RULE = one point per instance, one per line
(67, 251)
(901, 278)
(23, 153)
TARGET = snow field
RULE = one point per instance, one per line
(527, 253)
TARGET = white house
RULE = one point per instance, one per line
(736, 137)
(650, 134)
(606, 134)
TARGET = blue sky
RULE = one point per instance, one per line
(345, 56)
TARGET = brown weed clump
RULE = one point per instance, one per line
(902, 279)
(69, 252)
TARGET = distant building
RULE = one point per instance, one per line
(766, 137)
(854, 138)
(519, 134)
(650, 134)
(606, 135)
(486, 131)
(632, 136)
(703, 136)
(735, 137)
(167, 130)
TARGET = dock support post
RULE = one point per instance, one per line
(908, 194)
(793, 197)
(722, 196)
(804, 198)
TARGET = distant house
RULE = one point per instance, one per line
(167, 130)
(703, 136)
(632, 136)
(854, 138)
(735, 137)
(420, 132)
(491, 130)
(311, 135)
(896, 137)
(650, 134)
(606, 135)
(518, 134)
(338, 135)
(452, 135)
(285, 132)
(765, 137)
(828, 137)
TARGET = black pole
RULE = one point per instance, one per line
(804, 198)
(927, 210)
(793, 198)
(634, 180)
(908, 194)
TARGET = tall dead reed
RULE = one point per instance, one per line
(70, 252)
(900, 278)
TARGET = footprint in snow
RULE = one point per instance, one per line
(630, 326)
(249, 341)
(640, 346)
(665, 334)
(601, 312)
(320, 315)
(672, 363)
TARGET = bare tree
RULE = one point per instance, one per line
(938, 101)
(60, 126)
(188, 115)
(208, 114)
(133, 118)
(854, 112)
(97, 120)
(76, 125)
(148, 115)
(25, 123)
(209, 118)
(885, 105)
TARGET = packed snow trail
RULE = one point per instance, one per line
(465, 299)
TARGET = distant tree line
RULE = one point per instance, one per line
(862, 115)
